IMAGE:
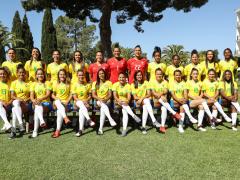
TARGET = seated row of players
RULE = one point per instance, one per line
(193, 94)
(142, 91)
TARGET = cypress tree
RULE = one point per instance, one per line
(17, 30)
(27, 38)
(49, 38)
(2, 54)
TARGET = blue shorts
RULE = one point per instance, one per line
(48, 105)
(220, 101)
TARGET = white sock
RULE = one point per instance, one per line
(220, 109)
(236, 105)
(149, 109)
(39, 112)
(105, 108)
(124, 119)
(3, 115)
(163, 116)
(102, 118)
(200, 117)
(214, 113)
(81, 120)
(36, 123)
(187, 111)
(144, 116)
(59, 120)
(167, 106)
(234, 119)
(130, 112)
(18, 111)
(83, 109)
(207, 110)
(61, 108)
(14, 119)
(182, 119)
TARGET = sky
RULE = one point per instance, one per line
(213, 26)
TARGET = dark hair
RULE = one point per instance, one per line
(6, 70)
(177, 70)
(116, 45)
(74, 60)
(137, 46)
(13, 49)
(135, 78)
(194, 51)
(193, 69)
(228, 49)
(156, 50)
(158, 69)
(38, 59)
(122, 73)
(98, 79)
(206, 59)
(231, 81)
(44, 74)
(61, 70)
(56, 50)
(211, 70)
(175, 55)
(20, 66)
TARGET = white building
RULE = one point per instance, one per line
(237, 51)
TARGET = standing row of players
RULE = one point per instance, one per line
(30, 85)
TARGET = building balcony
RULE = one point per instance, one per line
(237, 53)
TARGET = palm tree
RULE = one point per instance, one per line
(171, 50)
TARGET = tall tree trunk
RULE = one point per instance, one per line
(105, 27)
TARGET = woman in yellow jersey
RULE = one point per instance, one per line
(210, 63)
(20, 94)
(159, 89)
(194, 64)
(33, 64)
(102, 93)
(179, 98)
(62, 97)
(229, 93)
(54, 67)
(210, 89)
(5, 98)
(81, 91)
(122, 96)
(11, 64)
(156, 64)
(195, 97)
(78, 64)
(169, 74)
(228, 63)
(141, 92)
(40, 92)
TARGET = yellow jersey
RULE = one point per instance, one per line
(122, 91)
(188, 69)
(5, 92)
(21, 89)
(159, 87)
(152, 68)
(40, 89)
(73, 70)
(82, 91)
(142, 89)
(12, 66)
(226, 87)
(32, 68)
(62, 91)
(103, 89)
(53, 69)
(194, 88)
(170, 72)
(227, 65)
(210, 66)
(209, 87)
(178, 88)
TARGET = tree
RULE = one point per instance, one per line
(17, 31)
(171, 50)
(74, 34)
(140, 11)
(49, 38)
(27, 38)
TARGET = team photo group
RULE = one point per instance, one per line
(34, 89)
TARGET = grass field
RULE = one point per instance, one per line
(193, 155)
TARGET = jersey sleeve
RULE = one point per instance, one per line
(110, 85)
(167, 71)
(70, 68)
(49, 69)
(66, 67)
(114, 87)
(235, 85)
(94, 86)
(149, 68)
(32, 86)
(12, 87)
(26, 66)
(48, 86)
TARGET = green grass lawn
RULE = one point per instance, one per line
(193, 155)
